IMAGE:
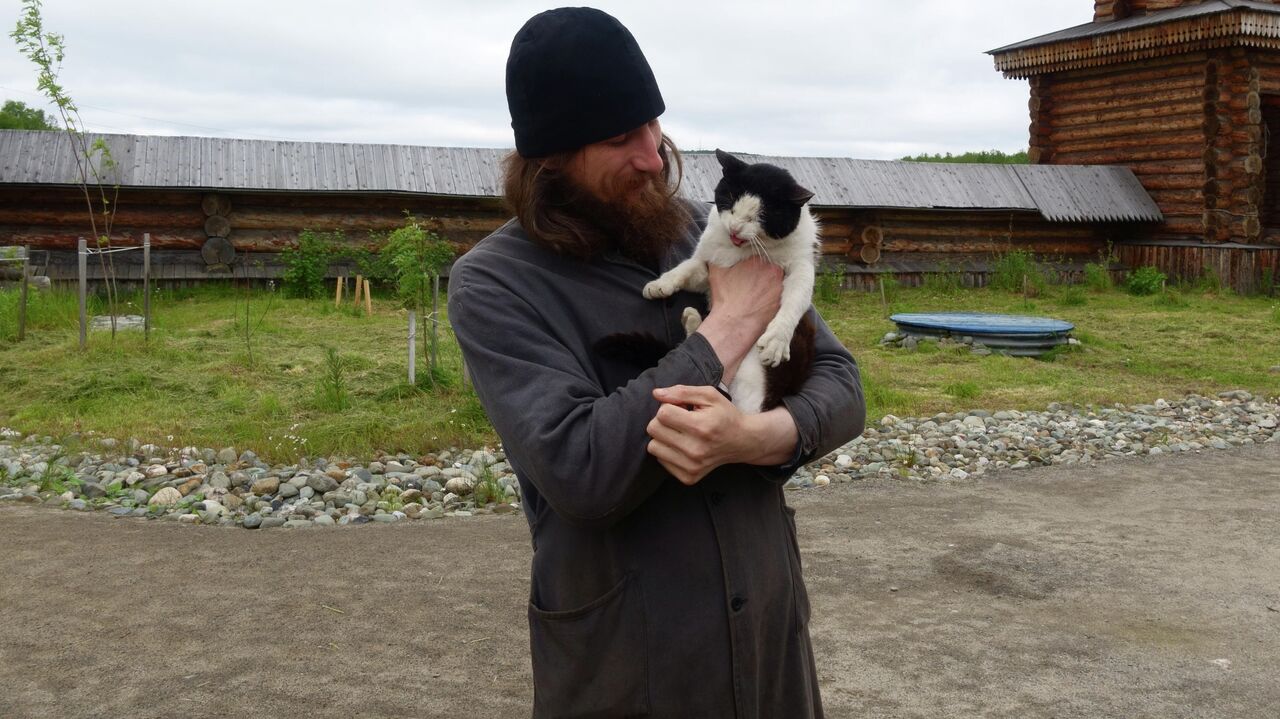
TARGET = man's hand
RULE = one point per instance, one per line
(696, 430)
(744, 298)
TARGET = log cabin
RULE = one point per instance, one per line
(1186, 94)
(218, 208)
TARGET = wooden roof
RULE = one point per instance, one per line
(1214, 23)
(1058, 192)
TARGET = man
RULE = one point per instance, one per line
(666, 576)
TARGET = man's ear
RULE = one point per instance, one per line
(730, 163)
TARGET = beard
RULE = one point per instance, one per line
(637, 216)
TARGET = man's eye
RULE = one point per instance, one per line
(619, 140)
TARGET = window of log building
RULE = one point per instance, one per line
(1270, 206)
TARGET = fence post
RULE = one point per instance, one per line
(435, 319)
(146, 286)
(413, 347)
(22, 303)
(83, 252)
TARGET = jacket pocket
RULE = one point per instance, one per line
(591, 661)
(801, 597)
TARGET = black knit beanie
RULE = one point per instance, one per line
(576, 76)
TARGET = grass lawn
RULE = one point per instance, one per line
(323, 381)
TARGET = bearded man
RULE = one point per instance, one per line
(666, 577)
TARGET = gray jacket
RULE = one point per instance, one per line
(647, 597)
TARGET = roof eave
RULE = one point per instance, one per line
(1235, 25)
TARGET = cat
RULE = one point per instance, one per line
(760, 211)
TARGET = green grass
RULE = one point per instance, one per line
(193, 384)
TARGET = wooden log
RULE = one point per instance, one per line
(218, 251)
(368, 300)
(254, 218)
(71, 216)
(1190, 84)
(1117, 157)
(217, 226)
(53, 238)
(1066, 116)
(339, 284)
(872, 235)
(1130, 73)
(1164, 125)
(870, 254)
(215, 204)
(989, 245)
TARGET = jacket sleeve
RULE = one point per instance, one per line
(830, 409)
(582, 447)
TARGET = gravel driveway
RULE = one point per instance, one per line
(1140, 588)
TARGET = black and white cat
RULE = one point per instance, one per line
(760, 211)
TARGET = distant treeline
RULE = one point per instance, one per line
(986, 157)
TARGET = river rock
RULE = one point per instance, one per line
(266, 485)
(166, 497)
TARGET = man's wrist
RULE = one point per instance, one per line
(770, 437)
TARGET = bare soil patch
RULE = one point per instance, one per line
(1145, 588)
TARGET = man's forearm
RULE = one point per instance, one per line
(772, 437)
(729, 341)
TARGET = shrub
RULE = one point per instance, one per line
(414, 256)
(946, 281)
(1012, 267)
(1172, 300)
(1145, 281)
(1208, 282)
(1073, 297)
(306, 265)
(826, 288)
(1097, 277)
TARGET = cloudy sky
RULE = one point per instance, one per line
(874, 79)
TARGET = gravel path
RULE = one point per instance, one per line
(1142, 587)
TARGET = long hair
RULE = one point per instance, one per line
(535, 190)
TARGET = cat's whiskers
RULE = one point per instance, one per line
(760, 250)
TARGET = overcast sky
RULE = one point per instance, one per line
(875, 79)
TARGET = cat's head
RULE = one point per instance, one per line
(758, 201)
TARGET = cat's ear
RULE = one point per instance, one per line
(730, 163)
(800, 195)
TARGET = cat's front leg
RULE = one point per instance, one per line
(688, 275)
(797, 292)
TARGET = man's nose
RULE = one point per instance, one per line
(645, 157)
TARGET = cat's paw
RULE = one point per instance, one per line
(691, 319)
(659, 288)
(774, 348)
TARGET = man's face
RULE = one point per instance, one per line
(617, 170)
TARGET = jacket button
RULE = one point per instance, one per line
(737, 603)
(716, 498)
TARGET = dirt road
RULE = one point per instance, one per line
(1133, 589)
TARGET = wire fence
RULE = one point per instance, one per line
(83, 254)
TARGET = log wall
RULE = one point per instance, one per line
(54, 218)
(1148, 116)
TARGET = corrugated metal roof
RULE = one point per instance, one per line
(1060, 193)
(1107, 27)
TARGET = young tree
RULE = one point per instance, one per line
(18, 116)
(94, 163)
(416, 258)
